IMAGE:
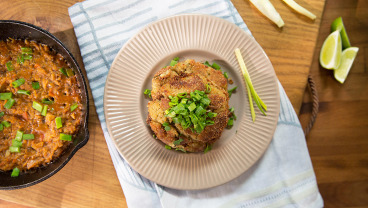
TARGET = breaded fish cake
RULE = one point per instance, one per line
(186, 77)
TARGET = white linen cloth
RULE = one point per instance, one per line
(283, 177)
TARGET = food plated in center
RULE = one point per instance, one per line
(126, 109)
(189, 107)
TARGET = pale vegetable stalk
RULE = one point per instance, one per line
(250, 103)
(267, 9)
(250, 89)
(300, 9)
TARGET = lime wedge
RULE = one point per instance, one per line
(330, 56)
(337, 24)
(347, 59)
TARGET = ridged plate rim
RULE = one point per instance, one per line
(126, 80)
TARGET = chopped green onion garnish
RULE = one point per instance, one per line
(20, 59)
(44, 110)
(9, 103)
(208, 88)
(184, 100)
(14, 149)
(58, 122)
(175, 100)
(200, 111)
(69, 72)
(1, 127)
(192, 106)
(65, 137)
(207, 64)
(73, 107)
(46, 101)
(19, 136)
(196, 95)
(62, 70)
(232, 111)
(182, 95)
(210, 122)
(2, 114)
(15, 172)
(24, 92)
(205, 101)
(26, 50)
(35, 85)
(212, 115)
(208, 148)
(216, 66)
(27, 57)
(231, 91)
(167, 127)
(176, 120)
(18, 82)
(147, 92)
(5, 95)
(9, 66)
(225, 75)
(6, 124)
(190, 112)
(171, 115)
(37, 106)
(177, 142)
(230, 122)
(16, 143)
(28, 136)
(180, 149)
(199, 127)
(174, 61)
(167, 147)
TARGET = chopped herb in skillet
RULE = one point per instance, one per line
(18, 82)
(15, 172)
(9, 66)
(35, 85)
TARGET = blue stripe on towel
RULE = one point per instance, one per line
(139, 25)
(123, 21)
(109, 13)
(192, 10)
(94, 35)
(97, 5)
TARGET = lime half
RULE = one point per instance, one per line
(337, 24)
(347, 59)
(330, 56)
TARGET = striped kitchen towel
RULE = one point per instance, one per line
(283, 177)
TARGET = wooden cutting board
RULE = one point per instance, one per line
(89, 179)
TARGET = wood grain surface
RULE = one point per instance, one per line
(290, 48)
(89, 179)
(338, 142)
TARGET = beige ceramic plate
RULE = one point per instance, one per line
(202, 38)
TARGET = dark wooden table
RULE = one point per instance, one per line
(89, 179)
(338, 142)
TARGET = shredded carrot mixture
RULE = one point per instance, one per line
(58, 89)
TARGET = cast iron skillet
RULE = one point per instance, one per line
(22, 30)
